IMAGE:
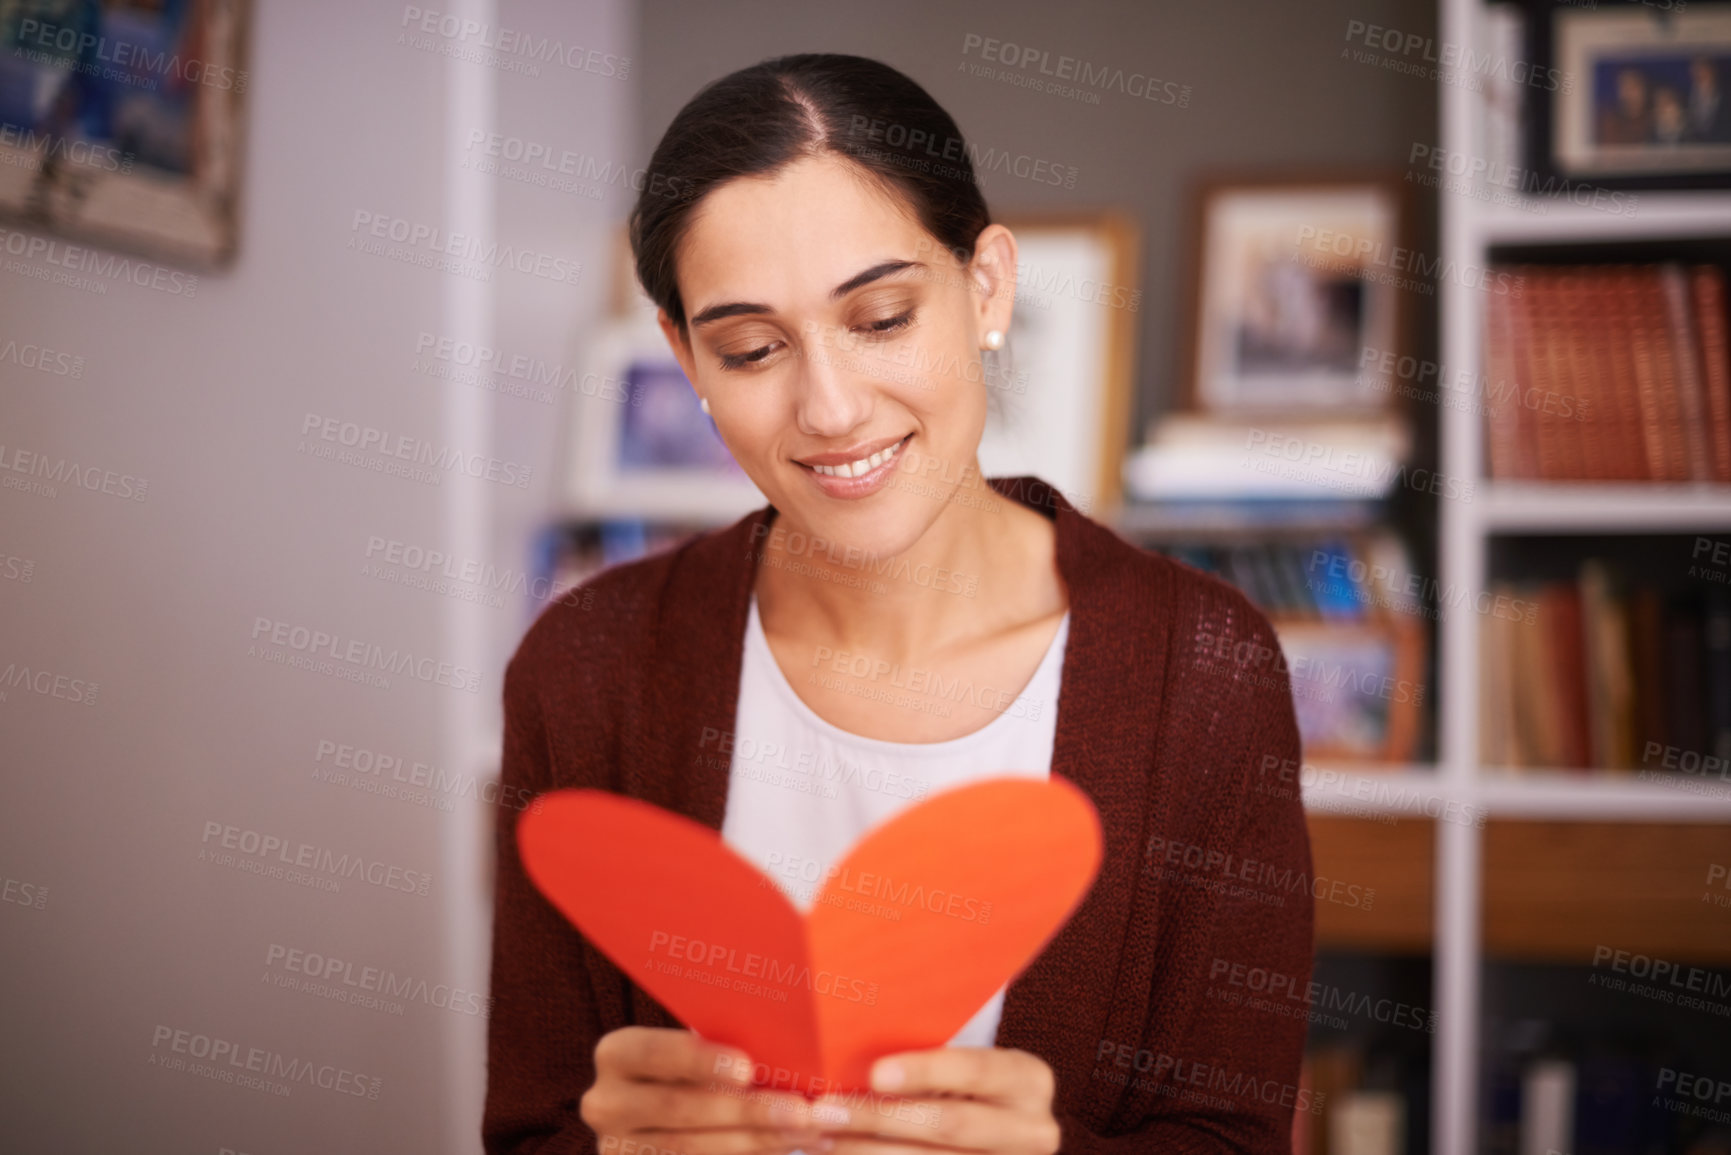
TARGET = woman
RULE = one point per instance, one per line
(891, 625)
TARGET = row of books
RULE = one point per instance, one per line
(1602, 674)
(570, 553)
(1581, 1086)
(1364, 1099)
(1609, 373)
(1568, 1095)
(1327, 578)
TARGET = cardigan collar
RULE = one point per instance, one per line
(1110, 663)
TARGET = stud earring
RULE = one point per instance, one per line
(994, 339)
(703, 403)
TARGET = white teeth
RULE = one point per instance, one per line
(861, 467)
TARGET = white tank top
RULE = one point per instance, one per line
(801, 792)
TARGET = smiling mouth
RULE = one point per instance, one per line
(864, 465)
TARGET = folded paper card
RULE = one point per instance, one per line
(922, 921)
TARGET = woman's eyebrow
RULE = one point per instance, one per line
(858, 280)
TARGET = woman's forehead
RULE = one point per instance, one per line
(796, 233)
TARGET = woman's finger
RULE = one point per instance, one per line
(856, 1145)
(1001, 1074)
(742, 1141)
(963, 1124)
(681, 1107)
(667, 1055)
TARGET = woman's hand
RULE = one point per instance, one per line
(660, 1091)
(952, 1098)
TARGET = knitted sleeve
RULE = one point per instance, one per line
(1217, 1069)
(544, 1025)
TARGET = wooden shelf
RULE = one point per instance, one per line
(1555, 891)
(1562, 891)
(1395, 861)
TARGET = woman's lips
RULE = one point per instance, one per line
(833, 482)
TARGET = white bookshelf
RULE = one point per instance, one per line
(1468, 228)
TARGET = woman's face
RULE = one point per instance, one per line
(838, 346)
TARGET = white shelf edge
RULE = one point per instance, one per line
(1635, 215)
(1601, 795)
(1600, 507)
(1419, 791)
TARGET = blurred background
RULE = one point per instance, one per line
(319, 351)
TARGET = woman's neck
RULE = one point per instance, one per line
(987, 565)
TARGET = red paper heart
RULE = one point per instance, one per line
(922, 921)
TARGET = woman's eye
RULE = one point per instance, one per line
(741, 360)
(890, 324)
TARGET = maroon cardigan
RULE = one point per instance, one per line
(1175, 717)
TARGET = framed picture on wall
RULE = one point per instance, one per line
(638, 445)
(1060, 401)
(121, 124)
(1640, 98)
(1294, 277)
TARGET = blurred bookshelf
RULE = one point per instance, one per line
(1597, 849)
(1564, 800)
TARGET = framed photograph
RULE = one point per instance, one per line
(121, 123)
(1356, 687)
(638, 445)
(1293, 278)
(1060, 400)
(1642, 97)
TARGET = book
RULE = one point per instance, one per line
(1610, 675)
(1496, 689)
(1568, 654)
(1193, 457)
(1368, 1123)
(1609, 372)
(1708, 283)
(1647, 657)
(1685, 719)
(1548, 1107)
(1717, 674)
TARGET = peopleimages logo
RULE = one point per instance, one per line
(255, 1063)
(1086, 74)
(366, 986)
(434, 247)
(119, 60)
(42, 359)
(357, 655)
(44, 473)
(1456, 64)
(82, 259)
(268, 853)
(35, 149)
(507, 43)
(46, 683)
(751, 966)
(401, 447)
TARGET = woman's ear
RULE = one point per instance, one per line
(993, 276)
(676, 341)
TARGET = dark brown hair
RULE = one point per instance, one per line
(754, 121)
